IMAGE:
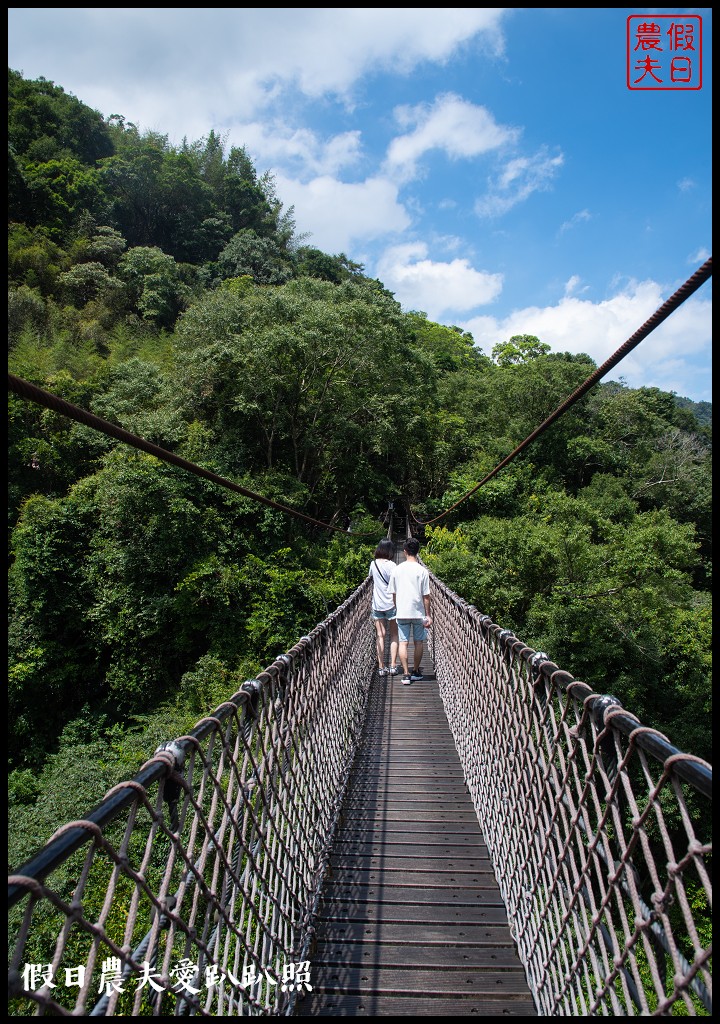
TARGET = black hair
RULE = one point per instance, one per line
(385, 549)
(412, 546)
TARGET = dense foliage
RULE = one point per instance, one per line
(165, 289)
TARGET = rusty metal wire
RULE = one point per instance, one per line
(192, 888)
(598, 828)
(33, 393)
(701, 275)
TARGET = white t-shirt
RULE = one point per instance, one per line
(381, 571)
(410, 582)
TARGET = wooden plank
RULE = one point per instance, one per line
(391, 863)
(418, 981)
(413, 803)
(419, 784)
(462, 846)
(371, 914)
(489, 928)
(329, 1004)
(358, 818)
(363, 823)
(411, 920)
(369, 825)
(435, 879)
(451, 895)
(446, 958)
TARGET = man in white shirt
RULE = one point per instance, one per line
(410, 587)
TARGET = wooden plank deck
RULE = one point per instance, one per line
(411, 919)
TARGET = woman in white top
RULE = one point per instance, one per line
(383, 606)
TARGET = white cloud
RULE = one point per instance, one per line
(240, 58)
(434, 287)
(300, 147)
(572, 284)
(664, 359)
(451, 124)
(518, 180)
(329, 49)
(700, 257)
(339, 214)
(577, 218)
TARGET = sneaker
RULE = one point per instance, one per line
(416, 674)
(383, 671)
(394, 670)
(406, 680)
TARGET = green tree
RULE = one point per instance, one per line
(605, 590)
(86, 281)
(243, 198)
(48, 452)
(102, 244)
(311, 262)
(27, 311)
(33, 259)
(155, 284)
(308, 378)
(263, 259)
(53, 662)
(40, 112)
(61, 191)
(139, 396)
(130, 177)
(519, 349)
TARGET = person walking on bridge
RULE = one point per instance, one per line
(410, 587)
(383, 606)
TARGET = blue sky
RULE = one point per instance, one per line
(489, 165)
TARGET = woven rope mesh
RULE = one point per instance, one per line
(600, 843)
(192, 889)
(198, 895)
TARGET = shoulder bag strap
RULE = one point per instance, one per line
(385, 581)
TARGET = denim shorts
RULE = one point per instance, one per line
(388, 613)
(416, 626)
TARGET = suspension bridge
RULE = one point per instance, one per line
(495, 839)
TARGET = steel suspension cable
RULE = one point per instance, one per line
(692, 284)
(33, 393)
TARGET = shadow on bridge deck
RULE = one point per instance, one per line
(411, 919)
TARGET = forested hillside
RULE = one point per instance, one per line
(165, 289)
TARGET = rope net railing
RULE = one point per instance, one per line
(191, 890)
(597, 827)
